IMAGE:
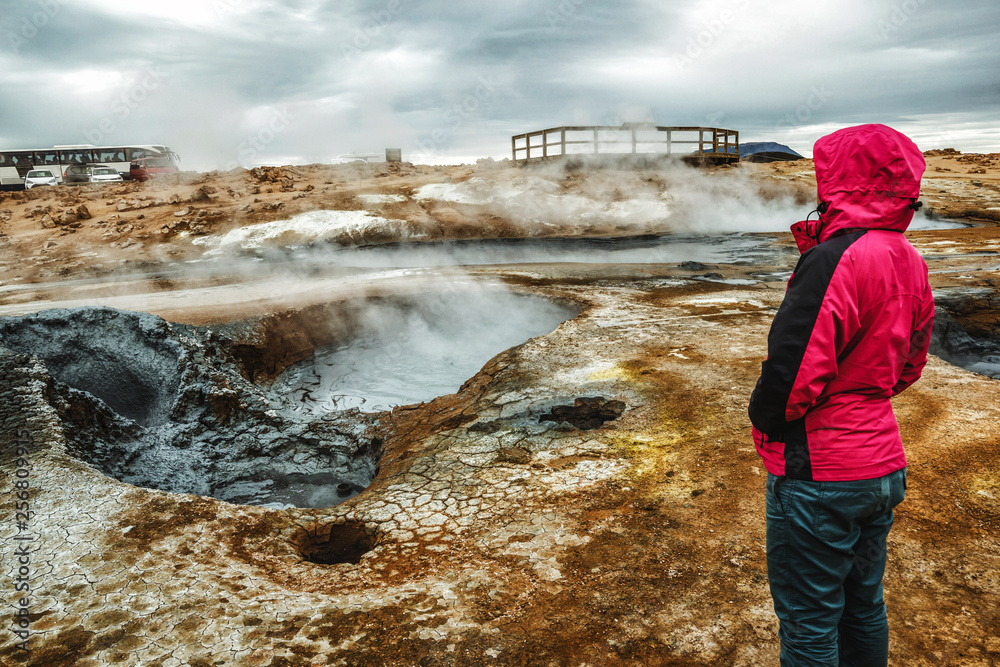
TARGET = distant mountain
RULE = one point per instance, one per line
(767, 151)
(752, 147)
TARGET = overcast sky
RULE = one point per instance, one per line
(227, 82)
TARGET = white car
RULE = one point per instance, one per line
(105, 175)
(39, 177)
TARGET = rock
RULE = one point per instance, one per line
(692, 266)
(83, 213)
(270, 175)
(48, 222)
(204, 193)
(184, 211)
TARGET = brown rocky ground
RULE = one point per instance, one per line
(494, 541)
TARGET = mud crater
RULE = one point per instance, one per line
(165, 406)
(196, 410)
(967, 328)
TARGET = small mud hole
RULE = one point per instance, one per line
(587, 412)
(339, 543)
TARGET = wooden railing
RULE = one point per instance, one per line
(709, 144)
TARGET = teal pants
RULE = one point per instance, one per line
(826, 550)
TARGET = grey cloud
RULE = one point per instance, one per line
(356, 75)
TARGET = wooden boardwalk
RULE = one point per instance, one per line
(630, 141)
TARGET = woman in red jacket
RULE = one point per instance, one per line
(852, 332)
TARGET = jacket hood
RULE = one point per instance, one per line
(806, 233)
(869, 175)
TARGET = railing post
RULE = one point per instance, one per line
(595, 141)
(562, 141)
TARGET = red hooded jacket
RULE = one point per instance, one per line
(854, 327)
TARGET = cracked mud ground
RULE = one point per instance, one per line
(494, 536)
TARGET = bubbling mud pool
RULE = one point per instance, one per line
(192, 410)
(402, 355)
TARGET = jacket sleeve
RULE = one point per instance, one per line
(815, 323)
(920, 340)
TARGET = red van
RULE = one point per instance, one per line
(144, 168)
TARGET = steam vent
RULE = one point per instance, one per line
(387, 414)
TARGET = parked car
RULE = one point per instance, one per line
(105, 175)
(145, 168)
(76, 173)
(37, 177)
(90, 173)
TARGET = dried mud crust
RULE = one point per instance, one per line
(490, 537)
(497, 538)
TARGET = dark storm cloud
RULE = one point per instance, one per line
(227, 81)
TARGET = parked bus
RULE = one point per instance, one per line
(15, 164)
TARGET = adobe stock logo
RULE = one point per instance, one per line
(558, 17)
(712, 29)
(817, 99)
(898, 17)
(365, 36)
(456, 116)
(143, 85)
(249, 149)
(31, 25)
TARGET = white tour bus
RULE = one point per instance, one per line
(15, 164)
